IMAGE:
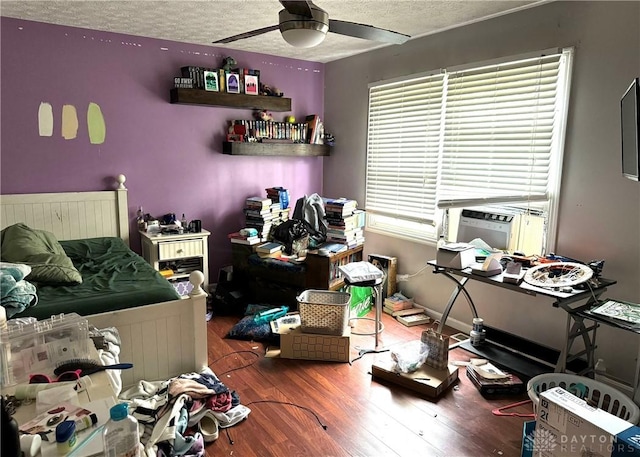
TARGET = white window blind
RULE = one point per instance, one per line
(499, 127)
(403, 143)
(494, 132)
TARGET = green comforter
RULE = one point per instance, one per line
(113, 278)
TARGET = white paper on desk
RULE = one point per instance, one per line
(94, 446)
(47, 399)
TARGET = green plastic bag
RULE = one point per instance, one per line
(361, 301)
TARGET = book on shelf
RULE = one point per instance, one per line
(414, 319)
(257, 202)
(350, 234)
(269, 247)
(313, 128)
(329, 248)
(250, 241)
(270, 255)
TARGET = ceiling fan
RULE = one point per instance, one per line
(304, 24)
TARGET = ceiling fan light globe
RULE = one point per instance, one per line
(304, 32)
(303, 38)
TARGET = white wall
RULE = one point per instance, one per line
(599, 209)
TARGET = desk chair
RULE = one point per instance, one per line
(376, 285)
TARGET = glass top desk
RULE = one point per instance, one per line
(570, 301)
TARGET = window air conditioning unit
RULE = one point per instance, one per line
(495, 229)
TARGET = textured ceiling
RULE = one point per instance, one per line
(204, 21)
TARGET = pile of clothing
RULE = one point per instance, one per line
(16, 293)
(181, 414)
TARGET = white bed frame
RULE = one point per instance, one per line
(162, 340)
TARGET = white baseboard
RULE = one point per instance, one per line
(453, 323)
(616, 383)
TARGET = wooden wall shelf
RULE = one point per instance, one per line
(207, 98)
(275, 149)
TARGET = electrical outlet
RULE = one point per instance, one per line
(402, 278)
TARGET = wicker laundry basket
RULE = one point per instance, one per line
(597, 393)
(324, 311)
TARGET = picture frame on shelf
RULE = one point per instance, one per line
(211, 82)
(233, 83)
(251, 85)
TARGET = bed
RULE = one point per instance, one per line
(162, 339)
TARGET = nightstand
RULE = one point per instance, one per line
(181, 253)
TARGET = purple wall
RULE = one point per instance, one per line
(170, 154)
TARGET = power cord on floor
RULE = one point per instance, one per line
(364, 352)
(237, 368)
(288, 403)
(285, 403)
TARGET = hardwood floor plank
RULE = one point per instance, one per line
(364, 417)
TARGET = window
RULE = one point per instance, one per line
(488, 135)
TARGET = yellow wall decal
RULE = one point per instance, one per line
(69, 122)
(45, 119)
(95, 124)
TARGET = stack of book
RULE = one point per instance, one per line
(345, 223)
(492, 381)
(405, 310)
(258, 215)
(278, 195)
(243, 238)
(396, 302)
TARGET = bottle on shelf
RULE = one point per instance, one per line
(600, 370)
(184, 223)
(441, 242)
(120, 435)
(140, 219)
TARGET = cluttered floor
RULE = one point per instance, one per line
(317, 408)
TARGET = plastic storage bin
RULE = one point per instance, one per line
(28, 346)
(596, 393)
(323, 311)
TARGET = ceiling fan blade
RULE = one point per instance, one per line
(367, 32)
(297, 7)
(250, 34)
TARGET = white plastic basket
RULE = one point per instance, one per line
(323, 311)
(597, 394)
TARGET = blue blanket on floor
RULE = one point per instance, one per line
(16, 294)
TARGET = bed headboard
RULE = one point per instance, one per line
(71, 215)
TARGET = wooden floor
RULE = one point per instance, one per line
(362, 416)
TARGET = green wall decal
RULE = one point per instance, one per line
(95, 124)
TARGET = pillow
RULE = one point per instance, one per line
(41, 251)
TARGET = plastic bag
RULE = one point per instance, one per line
(410, 356)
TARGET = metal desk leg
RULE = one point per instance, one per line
(378, 291)
(454, 295)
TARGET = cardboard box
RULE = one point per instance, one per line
(312, 346)
(456, 255)
(426, 380)
(569, 427)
